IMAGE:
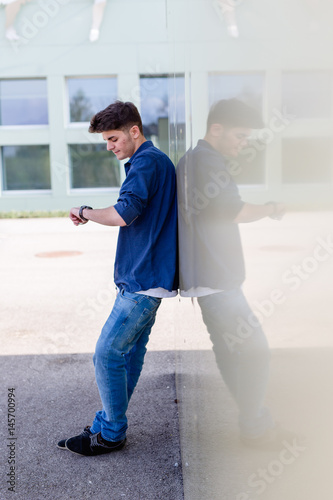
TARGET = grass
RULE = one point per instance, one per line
(33, 214)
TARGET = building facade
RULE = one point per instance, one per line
(64, 60)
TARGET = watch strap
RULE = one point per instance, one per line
(81, 212)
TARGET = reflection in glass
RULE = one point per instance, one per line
(307, 94)
(23, 102)
(306, 160)
(163, 112)
(87, 96)
(249, 88)
(92, 166)
(26, 168)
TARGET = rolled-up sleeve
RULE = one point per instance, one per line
(136, 190)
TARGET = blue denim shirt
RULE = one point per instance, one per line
(146, 254)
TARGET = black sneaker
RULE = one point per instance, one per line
(86, 432)
(92, 445)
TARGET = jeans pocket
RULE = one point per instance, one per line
(129, 296)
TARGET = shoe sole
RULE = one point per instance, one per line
(62, 447)
(118, 448)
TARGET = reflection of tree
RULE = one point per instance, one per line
(80, 106)
(27, 167)
(93, 167)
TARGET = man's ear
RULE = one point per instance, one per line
(135, 132)
(216, 129)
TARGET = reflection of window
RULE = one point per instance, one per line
(163, 111)
(249, 167)
(26, 167)
(307, 95)
(92, 166)
(23, 102)
(87, 96)
(247, 88)
(306, 160)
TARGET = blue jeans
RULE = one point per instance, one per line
(242, 355)
(118, 359)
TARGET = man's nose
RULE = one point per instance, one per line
(109, 146)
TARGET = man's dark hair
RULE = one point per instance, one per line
(118, 116)
(234, 113)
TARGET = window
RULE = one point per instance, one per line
(306, 160)
(307, 95)
(246, 87)
(87, 96)
(92, 166)
(23, 102)
(163, 112)
(26, 168)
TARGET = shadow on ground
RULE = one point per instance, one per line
(56, 396)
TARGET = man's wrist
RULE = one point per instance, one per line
(274, 213)
(84, 207)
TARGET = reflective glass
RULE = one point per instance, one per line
(92, 166)
(249, 167)
(246, 87)
(307, 94)
(26, 168)
(307, 160)
(23, 102)
(163, 111)
(87, 96)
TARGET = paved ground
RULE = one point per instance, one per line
(52, 309)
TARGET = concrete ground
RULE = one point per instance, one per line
(56, 292)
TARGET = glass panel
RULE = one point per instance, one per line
(249, 167)
(163, 111)
(307, 160)
(87, 96)
(26, 167)
(247, 88)
(23, 102)
(92, 166)
(307, 95)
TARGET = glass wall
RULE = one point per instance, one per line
(249, 167)
(163, 111)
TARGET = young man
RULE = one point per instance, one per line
(212, 266)
(145, 270)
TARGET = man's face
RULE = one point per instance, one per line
(120, 142)
(230, 141)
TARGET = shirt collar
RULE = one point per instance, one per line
(144, 145)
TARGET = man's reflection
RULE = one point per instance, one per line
(212, 265)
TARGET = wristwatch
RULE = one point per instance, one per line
(275, 215)
(81, 212)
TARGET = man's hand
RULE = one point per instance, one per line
(251, 212)
(279, 210)
(74, 216)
